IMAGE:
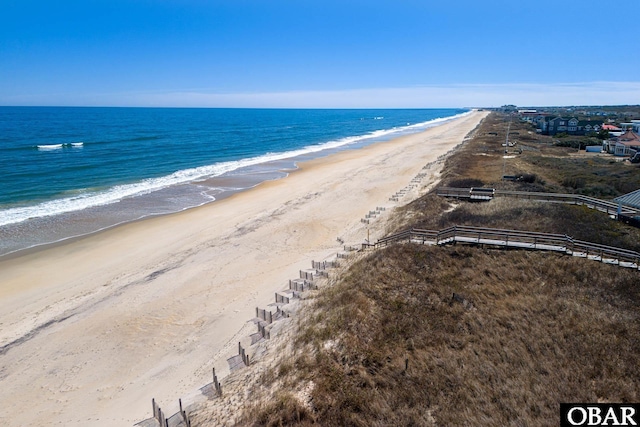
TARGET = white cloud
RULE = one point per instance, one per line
(456, 95)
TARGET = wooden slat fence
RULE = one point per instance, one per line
(264, 319)
(517, 239)
(281, 299)
(301, 285)
(179, 419)
(265, 315)
(323, 265)
(263, 331)
(242, 353)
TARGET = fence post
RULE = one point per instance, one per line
(155, 409)
(180, 404)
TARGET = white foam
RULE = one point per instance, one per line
(49, 147)
(119, 192)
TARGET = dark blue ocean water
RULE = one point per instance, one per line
(68, 171)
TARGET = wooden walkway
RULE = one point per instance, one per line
(517, 239)
(486, 194)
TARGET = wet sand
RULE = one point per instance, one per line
(91, 329)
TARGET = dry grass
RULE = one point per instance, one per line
(543, 329)
(577, 221)
(536, 329)
(551, 169)
(555, 168)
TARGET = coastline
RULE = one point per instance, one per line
(78, 212)
(105, 322)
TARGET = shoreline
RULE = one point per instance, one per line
(42, 228)
(144, 309)
(71, 239)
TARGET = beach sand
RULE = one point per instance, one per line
(92, 329)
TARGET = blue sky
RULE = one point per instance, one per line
(297, 53)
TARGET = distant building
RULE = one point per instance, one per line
(532, 116)
(631, 200)
(509, 108)
(613, 130)
(562, 125)
(627, 144)
(568, 125)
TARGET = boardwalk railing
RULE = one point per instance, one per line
(575, 199)
(517, 239)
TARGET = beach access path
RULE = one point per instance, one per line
(92, 329)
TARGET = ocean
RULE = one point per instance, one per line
(71, 171)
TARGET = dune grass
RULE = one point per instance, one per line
(388, 344)
(538, 329)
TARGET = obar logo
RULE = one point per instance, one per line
(599, 414)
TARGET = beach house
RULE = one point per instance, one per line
(568, 125)
(627, 144)
(586, 127)
(612, 129)
(562, 125)
(633, 125)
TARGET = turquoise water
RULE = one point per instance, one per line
(68, 171)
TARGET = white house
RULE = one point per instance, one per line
(627, 144)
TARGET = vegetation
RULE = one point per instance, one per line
(389, 344)
(538, 330)
(557, 168)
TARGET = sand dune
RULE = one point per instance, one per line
(91, 330)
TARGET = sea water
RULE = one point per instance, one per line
(70, 171)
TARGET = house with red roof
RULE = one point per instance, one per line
(613, 130)
(627, 144)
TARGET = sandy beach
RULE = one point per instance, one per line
(92, 329)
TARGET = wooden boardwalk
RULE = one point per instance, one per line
(605, 206)
(517, 239)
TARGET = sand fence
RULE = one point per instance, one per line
(281, 309)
